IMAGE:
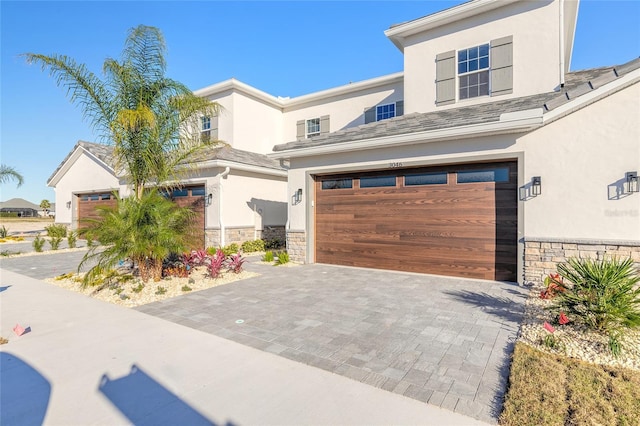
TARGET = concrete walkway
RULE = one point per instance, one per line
(89, 362)
(444, 341)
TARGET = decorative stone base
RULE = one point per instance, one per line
(297, 246)
(273, 233)
(541, 257)
(212, 238)
(239, 235)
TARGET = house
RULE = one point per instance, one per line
(485, 158)
(237, 195)
(19, 207)
(503, 163)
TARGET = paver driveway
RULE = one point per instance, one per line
(444, 341)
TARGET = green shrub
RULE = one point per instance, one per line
(4, 232)
(56, 231)
(72, 237)
(161, 290)
(273, 243)
(268, 256)
(186, 288)
(38, 243)
(55, 242)
(230, 249)
(253, 246)
(283, 257)
(603, 295)
(138, 288)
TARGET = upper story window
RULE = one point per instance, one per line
(313, 127)
(385, 111)
(473, 72)
(205, 123)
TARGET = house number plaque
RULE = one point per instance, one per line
(395, 165)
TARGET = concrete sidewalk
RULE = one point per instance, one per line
(89, 362)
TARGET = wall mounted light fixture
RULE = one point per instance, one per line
(536, 186)
(633, 185)
(209, 200)
(68, 204)
(297, 197)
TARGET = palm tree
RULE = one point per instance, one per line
(8, 173)
(153, 124)
(151, 120)
(45, 205)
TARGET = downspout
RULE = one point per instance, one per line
(220, 176)
(562, 47)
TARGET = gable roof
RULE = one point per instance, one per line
(104, 153)
(577, 84)
(18, 203)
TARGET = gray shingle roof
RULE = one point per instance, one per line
(225, 152)
(577, 84)
(18, 203)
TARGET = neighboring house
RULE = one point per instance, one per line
(237, 195)
(484, 158)
(20, 207)
(503, 164)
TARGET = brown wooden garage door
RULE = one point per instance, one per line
(456, 220)
(87, 204)
(192, 197)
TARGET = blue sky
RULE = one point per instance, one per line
(283, 48)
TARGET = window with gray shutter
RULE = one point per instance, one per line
(324, 124)
(502, 66)
(399, 108)
(446, 78)
(369, 115)
(300, 129)
(214, 128)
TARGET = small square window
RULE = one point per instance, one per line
(377, 181)
(337, 184)
(197, 192)
(313, 127)
(385, 111)
(439, 178)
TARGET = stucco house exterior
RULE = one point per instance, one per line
(503, 163)
(485, 158)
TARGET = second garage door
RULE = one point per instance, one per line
(456, 220)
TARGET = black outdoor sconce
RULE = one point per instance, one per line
(297, 197)
(536, 186)
(633, 185)
(68, 204)
(209, 200)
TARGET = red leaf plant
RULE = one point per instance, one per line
(554, 286)
(549, 327)
(562, 319)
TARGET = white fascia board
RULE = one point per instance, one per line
(593, 96)
(71, 161)
(233, 84)
(398, 33)
(345, 89)
(506, 124)
(281, 103)
(243, 167)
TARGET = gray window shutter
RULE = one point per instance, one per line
(300, 130)
(446, 78)
(501, 66)
(214, 128)
(324, 124)
(399, 108)
(369, 115)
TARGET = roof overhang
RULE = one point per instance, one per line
(243, 167)
(516, 122)
(70, 161)
(399, 33)
(282, 103)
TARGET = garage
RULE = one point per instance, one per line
(192, 197)
(87, 204)
(449, 220)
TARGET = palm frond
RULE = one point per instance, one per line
(8, 173)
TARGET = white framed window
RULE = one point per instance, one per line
(385, 111)
(313, 127)
(205, 123)
(473, 72)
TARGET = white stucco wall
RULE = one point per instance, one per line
(582, 160)
(86, 175)
(534, 26)
(251, 199)
(256, 125)
(344, 111)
